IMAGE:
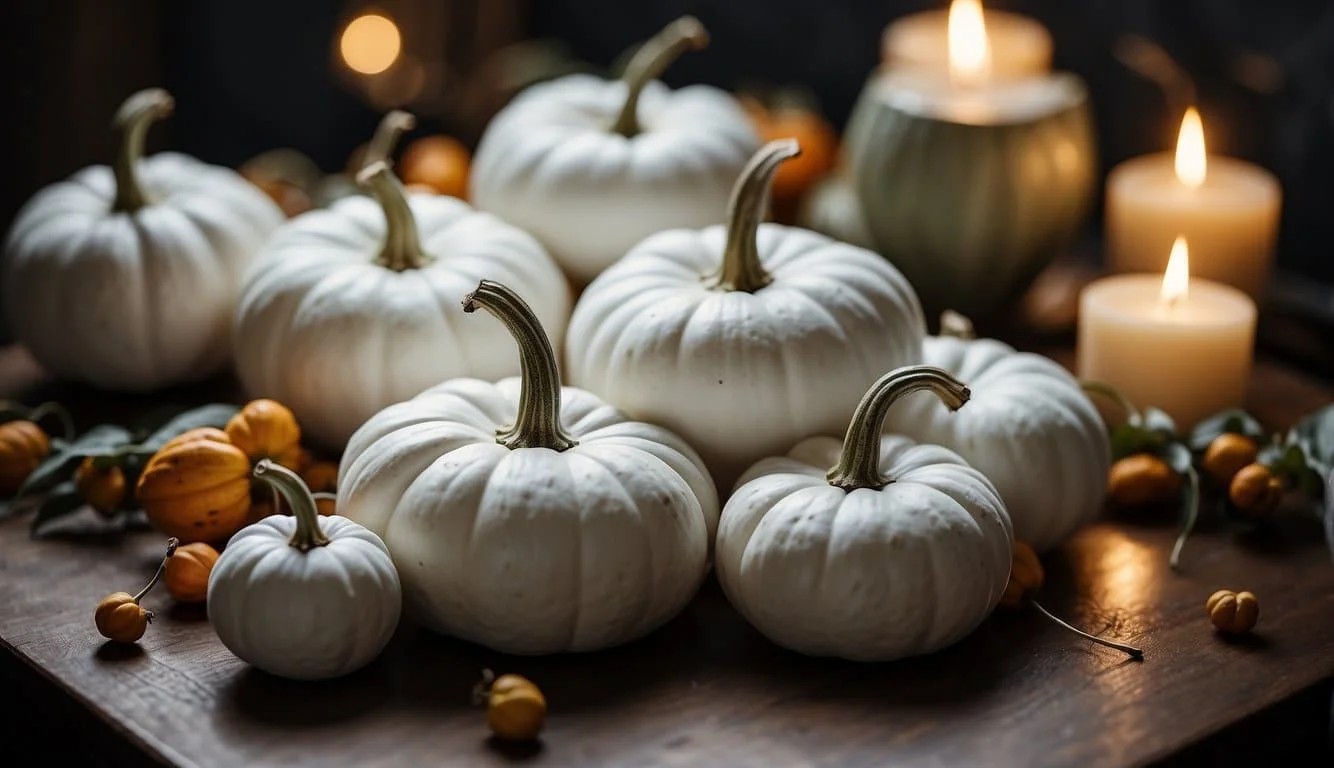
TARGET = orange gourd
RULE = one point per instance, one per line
(23, 445)
(197, 487)
(266, 429)
(120, 617)
(515, 706)
(187, 571)
(819, 151)
(102, 488)
(321, 477)
(439, 163)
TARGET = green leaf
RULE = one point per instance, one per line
(1128, 439)
(212, 415)
(1177, 456)
(63, 500)
(101, 440)
(1315, 433)
(1235, 421)
(51, 471)
(1158, 421)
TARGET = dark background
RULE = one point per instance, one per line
(251, 75)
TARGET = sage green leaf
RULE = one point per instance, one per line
(1315, 434)
(1177, 456)
(212, 415)
(1235, 421)
(63, 500)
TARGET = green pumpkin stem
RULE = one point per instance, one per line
(741, 269)
(172, 543)
(652, 58)
(402, 246)
(130, 125)
(380, 149)
(859, 461)
(537, 424)
(308, 533)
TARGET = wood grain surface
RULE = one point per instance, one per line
(706, 689)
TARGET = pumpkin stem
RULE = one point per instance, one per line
(381, 146)
(652, 58)
(1128, 408)
(537, 424)
(1192, 514)
(956, 326)
(741, 269)
(308, 533)
(1129, 650)
(859, 461)
(130, 125)
(172, 543)
(402, 247)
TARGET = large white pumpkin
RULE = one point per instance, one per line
(125, 277)
(592, 166)
(744, 338)
(527, 517)
(1029, 428)
(355, 308)
(900, 549)
(304, 596)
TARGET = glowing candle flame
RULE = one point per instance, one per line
(1191, 163)
(969, 51)
(370, 44)
(1176, 280)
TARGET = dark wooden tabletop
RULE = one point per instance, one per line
(706, 689)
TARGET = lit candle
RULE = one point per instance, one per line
(971, 181)
(1177, 343)
(1017, 46)
(1226, 208)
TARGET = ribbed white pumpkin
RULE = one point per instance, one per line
(304, 596)
(126, 277)
(1029, 428)
(592, 166)
(530, 518)
(355, 308)
(743, 339)
(898, 550)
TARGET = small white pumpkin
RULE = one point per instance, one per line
(530, 518)
(899, 550)
(303, 596)
(747, 338)
(126, 277)
(1030, 429)
(591, 166)
(355, 308)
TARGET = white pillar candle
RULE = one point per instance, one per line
(1174, 342)
(1019, 47)
(1226, 208)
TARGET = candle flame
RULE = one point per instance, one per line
(969, 51)
(1191, 161)
(1176, 280)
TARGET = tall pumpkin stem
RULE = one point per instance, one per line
(741, 269)
(652, 58)
(308, 533)
(538, 422)
(381, 147)
(172, 543)
(130, 126)
(402, 246)
(859, 462)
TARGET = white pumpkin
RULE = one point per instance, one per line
(743, 339)
(592, 166)
(901, 549)
(125, 277)
(527, 517)
(1030, 429)
(355, 308)
(303, 596)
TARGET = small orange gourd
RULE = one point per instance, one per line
(1231, 612)
(322, 479)
(515, 706)
(1141, 480)
(187, 572)
(1226, 455)
(102, 488)
(197, 487)
(1255, 491)
(440, 163)
(266, 429)
(119, 616)
(23, 445)
(819, 151)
